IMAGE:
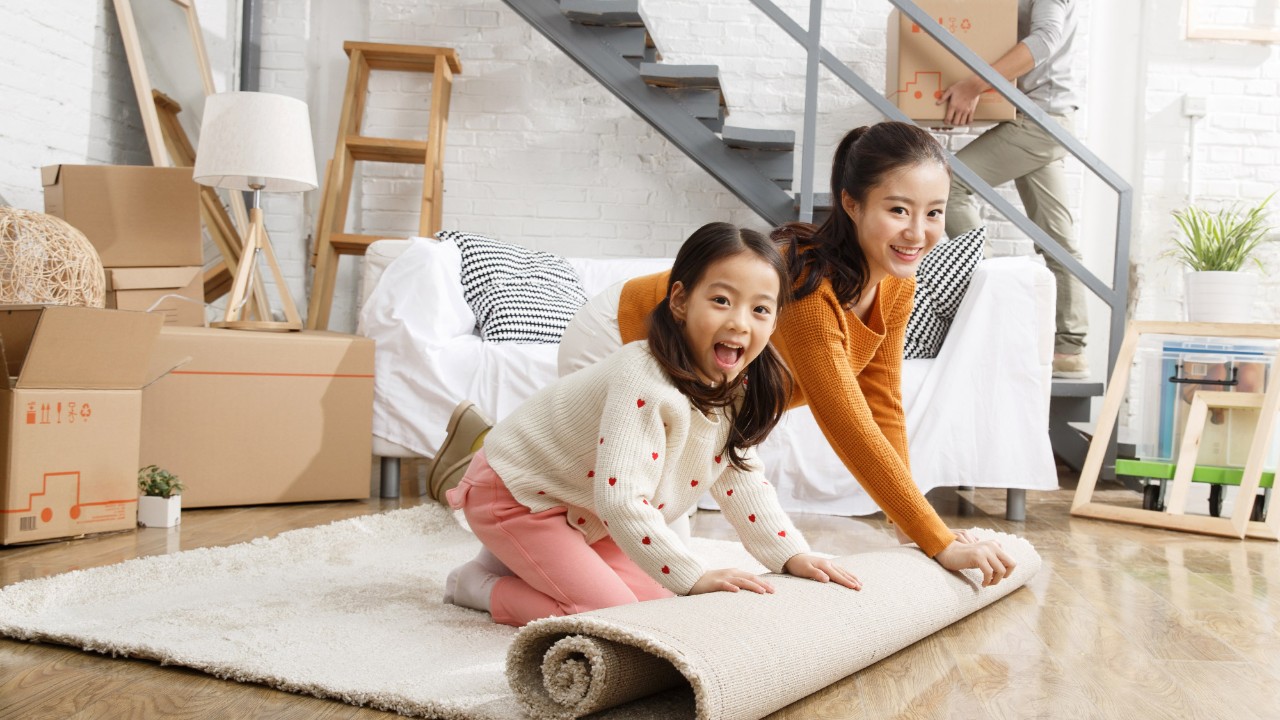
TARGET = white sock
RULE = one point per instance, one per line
(469, 586)
(490, 562)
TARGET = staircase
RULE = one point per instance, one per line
(610, 40)
(685, 103)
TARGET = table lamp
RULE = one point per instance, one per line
(256, 141)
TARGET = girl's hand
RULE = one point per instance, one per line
(730, 580)
(985, 555)
(821, 569)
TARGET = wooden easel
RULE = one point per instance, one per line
(332, 239)
(218, 279)
(1174, 516)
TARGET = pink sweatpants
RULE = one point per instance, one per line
(556, 571)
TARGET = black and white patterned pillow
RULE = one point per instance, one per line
(941, 282)
(518, 295)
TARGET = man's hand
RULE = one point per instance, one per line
(730, 580)
(986, 555)
(820, 569)
(961, 100)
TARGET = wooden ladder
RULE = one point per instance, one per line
(332, 239)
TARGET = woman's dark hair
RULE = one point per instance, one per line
(767, 393)
(864, 157)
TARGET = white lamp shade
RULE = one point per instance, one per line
(253, 138)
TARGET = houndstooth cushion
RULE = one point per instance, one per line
(941, 282)
(517, 295)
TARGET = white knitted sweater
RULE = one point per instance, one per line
(626, 452)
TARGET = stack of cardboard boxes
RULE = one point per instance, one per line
(94, 394)
(145, 224)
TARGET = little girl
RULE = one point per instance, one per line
(573, 492)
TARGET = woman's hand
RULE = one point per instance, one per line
(985, 555)
(730, 580)
(820, 569)
(965, 536)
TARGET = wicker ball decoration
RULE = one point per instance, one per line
(43, 260)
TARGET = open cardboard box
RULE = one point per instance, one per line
(262, 417)
(70, 419)
(919, 69)
(174, 293)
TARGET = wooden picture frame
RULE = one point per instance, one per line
(171, 29)
(1243, 33)
(1174, 516)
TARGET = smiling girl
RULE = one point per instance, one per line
(842, 336)
(573, 492)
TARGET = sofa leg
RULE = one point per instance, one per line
(390, 477)
(1015, 505)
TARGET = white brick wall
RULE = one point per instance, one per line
(66, 94)
(539, 153)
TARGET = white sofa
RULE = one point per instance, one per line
(977, 415)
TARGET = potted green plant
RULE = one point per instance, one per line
(160, 497)
(1215, 247)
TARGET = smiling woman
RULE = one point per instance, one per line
(854, 280)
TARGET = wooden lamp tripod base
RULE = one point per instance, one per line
(243, 290)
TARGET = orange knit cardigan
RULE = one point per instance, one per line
(850, 375)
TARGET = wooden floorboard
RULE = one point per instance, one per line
(1123, 622)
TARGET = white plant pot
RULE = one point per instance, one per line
(1217, 296)
(159, 512)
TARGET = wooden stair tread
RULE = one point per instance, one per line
(386, 149)
(759, 139)
(611, 13)
(420, 58)
(681, 76)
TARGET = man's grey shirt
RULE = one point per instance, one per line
(1048, 28)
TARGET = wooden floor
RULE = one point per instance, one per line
(1122, 622)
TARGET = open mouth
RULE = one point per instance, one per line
(728, 354)
(907, 253)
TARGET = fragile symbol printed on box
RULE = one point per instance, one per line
(950, 24)
(57, 413)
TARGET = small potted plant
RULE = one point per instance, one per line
(160, 497)
(1215, 247)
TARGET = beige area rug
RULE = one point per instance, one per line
(351, 611)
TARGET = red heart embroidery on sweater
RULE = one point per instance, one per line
(542, 492)
(591, 473)
(666, 570)
(752, 518)
(662, 505)
(730, 492)
(645, 540)
(640, 402)
(581, 520)
(693, 483)
(601, 441)
(717, 459)
(655, 456)
(782, 533)
(613, 481)
(644, 500)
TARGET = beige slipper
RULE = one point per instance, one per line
(448, 479)
(464, 435)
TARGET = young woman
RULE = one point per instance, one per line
(842, 336)
(573, 492)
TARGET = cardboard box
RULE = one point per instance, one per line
(262, 417)
(70, 419)
(175, 293)
(135, 216)
(919, 69)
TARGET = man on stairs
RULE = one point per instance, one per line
(1021, 151)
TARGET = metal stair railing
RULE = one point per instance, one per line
(1116, 296)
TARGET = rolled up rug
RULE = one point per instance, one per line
(741, 656)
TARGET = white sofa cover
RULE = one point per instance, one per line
(977, 415)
